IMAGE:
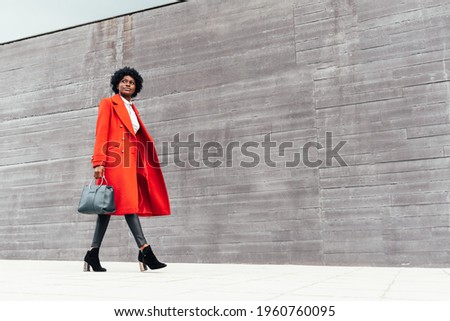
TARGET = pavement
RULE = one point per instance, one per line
(65, 280)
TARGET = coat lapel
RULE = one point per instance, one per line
(121, 111)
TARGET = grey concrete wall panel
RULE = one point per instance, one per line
(374, 74)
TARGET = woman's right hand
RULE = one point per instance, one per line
(99, 171)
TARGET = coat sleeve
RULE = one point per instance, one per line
(101, 133)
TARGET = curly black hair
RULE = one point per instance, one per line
(126, 71)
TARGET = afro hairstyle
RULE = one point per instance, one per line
(126, 71)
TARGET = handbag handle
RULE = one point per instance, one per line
(101, 183)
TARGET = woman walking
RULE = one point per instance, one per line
(124, 154)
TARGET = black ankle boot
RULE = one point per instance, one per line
(147, 258)
(91, 260)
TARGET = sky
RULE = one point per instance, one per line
(25, 18)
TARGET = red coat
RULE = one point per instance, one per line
(131, 161)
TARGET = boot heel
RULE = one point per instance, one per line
(142, 266)
(86, 267)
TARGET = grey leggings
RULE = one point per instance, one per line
(133, 223)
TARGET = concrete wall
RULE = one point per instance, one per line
(374, 74)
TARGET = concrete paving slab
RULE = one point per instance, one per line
(65, 280)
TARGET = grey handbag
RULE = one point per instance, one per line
(97, 199)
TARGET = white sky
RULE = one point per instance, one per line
(24, 18)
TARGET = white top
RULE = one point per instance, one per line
(134, 120)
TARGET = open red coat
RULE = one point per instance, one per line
(131, 161)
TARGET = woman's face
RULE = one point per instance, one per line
(127, 87)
